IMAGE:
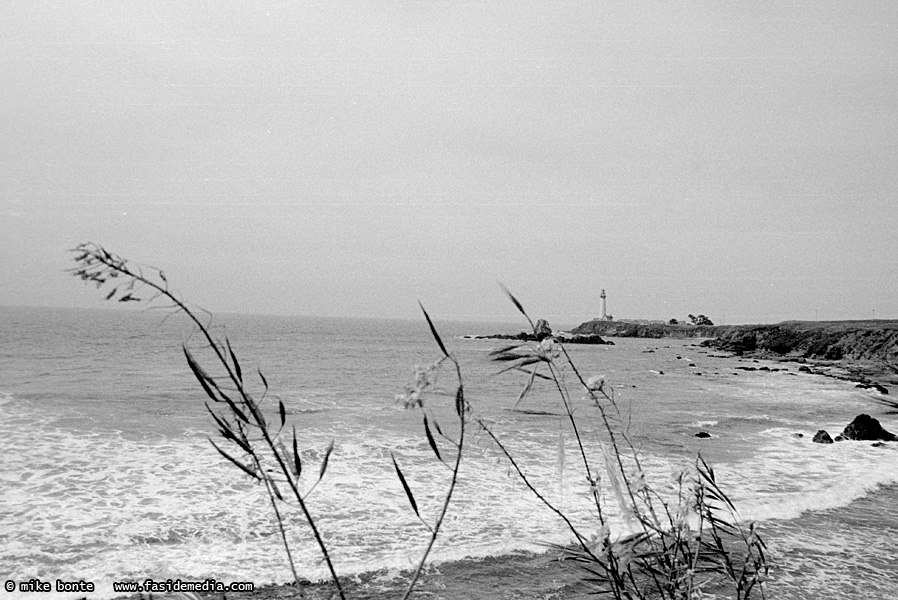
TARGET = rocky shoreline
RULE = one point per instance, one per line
(875, 341)
(866, 375)
(864, 352)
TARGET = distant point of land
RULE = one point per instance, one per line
(862, 340)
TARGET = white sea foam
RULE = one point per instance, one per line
(169, 508)
(82, 501)
(791, 475)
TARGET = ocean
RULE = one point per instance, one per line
(108, 474)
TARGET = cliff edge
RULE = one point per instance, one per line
(649, 330)
(875, 341)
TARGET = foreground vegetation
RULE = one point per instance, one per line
(642, 544)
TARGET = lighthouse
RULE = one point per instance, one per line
(604, 316)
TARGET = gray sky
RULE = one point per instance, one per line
(736, 159)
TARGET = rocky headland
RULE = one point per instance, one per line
(865, 352)
(647, 330)
(833, 340)
(827, 340)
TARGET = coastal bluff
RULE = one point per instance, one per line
(646, 330)
(872, 340)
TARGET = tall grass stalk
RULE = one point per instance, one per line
(415, 398)
(676, 545)
(254, 440)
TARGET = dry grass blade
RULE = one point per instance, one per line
(525, 362)
(236, 410)
(526, 389)
(460, 402)
(533, 373)
(408, 490)
(505, 356)
(433, 331)
(327, 455)
(274, 488)
(227, 431)
(224, 426)
(430, 440)
(200, 375)
(297, 462)
(504, 349)
(517, 304)
(282, 411)
(236, 462)
(234, 360)
(264, 382)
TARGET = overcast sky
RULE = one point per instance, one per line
(736, 159)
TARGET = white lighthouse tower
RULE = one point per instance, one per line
(604, 316)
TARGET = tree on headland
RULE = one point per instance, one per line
(700, 320)
(673, 322)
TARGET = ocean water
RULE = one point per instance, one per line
(108, 475)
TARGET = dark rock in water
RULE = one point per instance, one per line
(866, 428)
(523, 336)
(798, 435)
(529, 337)
(542, 330)
(804, 369)
(763, 368)
(691, 364)
(877, 444)
(585, 339)
(879, 388)
(702, 434)
(822, 437)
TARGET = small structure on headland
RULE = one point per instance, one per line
(604, 316)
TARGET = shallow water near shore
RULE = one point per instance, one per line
(108, 474)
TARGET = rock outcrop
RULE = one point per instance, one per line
(529, 337)
(866, 428)
(837, 340)
(822, 437)
(542, 330)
